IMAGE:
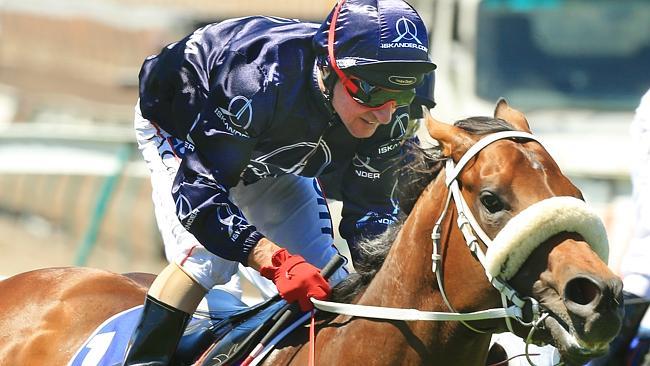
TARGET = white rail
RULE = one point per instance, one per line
(28, 148)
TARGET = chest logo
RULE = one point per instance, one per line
(240, 112)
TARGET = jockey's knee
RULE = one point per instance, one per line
(176, 288)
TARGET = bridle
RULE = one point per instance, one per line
(525, 310)
(470, 229)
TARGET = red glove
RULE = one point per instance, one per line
(296, 279)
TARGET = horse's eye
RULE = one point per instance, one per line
(491, 201)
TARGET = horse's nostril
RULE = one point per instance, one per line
(582, 291)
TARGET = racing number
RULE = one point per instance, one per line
(98, 346)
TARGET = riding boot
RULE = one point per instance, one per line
(157, 335)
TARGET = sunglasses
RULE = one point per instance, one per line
(373, 96)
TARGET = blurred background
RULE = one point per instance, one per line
(74, 189)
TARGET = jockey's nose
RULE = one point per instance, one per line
(383, 115)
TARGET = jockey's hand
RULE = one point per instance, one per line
(296, 279)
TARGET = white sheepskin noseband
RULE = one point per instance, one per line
(536, 224)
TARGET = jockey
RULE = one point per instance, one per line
(236, 120)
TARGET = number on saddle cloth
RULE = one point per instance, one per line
(107, 344)
(232, 333)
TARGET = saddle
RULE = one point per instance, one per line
(211, 339)
(226, 337)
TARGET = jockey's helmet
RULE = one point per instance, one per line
(383, 42)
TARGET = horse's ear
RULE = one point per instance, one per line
(454, 141)
(509, 114)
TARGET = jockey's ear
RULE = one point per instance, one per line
(454, 141)
(509, 114)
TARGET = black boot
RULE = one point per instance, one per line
(157, 335)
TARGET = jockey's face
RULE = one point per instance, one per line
(361, 121)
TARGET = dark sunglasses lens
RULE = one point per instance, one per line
(380, 97)
(373, 96)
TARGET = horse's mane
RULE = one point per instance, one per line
(419, 167)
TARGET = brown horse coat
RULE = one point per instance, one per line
(47, 314)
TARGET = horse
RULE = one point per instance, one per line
(553, 263)
(524, 241)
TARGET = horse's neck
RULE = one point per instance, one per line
(406, 280)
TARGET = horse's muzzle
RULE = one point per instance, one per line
(595, 307)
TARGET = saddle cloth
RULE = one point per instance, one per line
(235, 330)
(107, 344)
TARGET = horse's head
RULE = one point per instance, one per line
(542, 239)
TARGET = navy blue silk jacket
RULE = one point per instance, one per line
(243, 96)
